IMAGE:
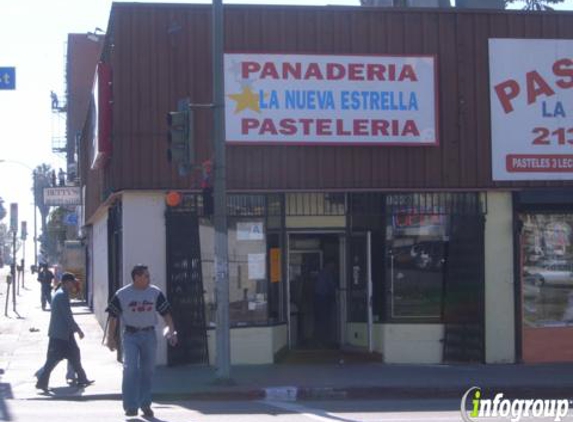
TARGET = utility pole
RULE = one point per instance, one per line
(13, 270)
(35, 222)
(223, 356)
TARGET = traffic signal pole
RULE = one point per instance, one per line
(223, 356)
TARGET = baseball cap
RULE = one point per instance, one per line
(68, 277)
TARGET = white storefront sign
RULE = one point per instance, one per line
(531, 99)
(62, 196)
(330, 100)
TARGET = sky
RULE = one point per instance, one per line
(33, 36)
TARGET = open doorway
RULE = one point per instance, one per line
(314, 287)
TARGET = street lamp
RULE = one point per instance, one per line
(35, 210)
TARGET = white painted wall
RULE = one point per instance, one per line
(99, 275)
(249, 345)
(279, 337)
(499, 288)
(412, 343)
(144, 242)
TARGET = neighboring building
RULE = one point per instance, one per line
(358, 136)
(83, 54)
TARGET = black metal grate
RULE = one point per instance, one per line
(316, 204)
(464, 292)
(185, 288)
(437, 203)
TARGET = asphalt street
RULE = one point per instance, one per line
(439, 410)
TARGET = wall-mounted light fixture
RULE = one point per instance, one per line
(95, 35)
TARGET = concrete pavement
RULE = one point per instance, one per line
(24, 343)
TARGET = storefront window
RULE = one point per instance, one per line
(247, 271)
(415, 265)
(547, 270)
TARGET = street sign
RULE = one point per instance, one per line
(7, 78)
(71, 219)
(70, 195)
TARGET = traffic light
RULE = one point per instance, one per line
(23, 230)
(181, 149)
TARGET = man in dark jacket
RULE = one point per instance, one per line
(62, 344)
(45, 277)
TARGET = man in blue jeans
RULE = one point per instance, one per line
(137, 305)
(45, 277)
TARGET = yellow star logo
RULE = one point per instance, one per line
(246, 99)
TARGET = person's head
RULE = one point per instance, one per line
(68, 281)
(140, 276)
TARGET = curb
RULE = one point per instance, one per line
(292, 393)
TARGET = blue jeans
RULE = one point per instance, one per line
(139, 351)
(46, 294)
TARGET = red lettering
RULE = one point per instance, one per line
(335, 71)
(410, 128)
(536, 86)
(355, 72)
(340, 128)
(360, 127)
(306, 125)
(375, 72)
(379, 127)
(249, 67)
(313, 71)
(564, 68)
(507, 91)
(292, 70)
(248, 124)
(268, 126)
(407, 73)
(323, 127)
(269, 70)
(392, 72)
(288, 127)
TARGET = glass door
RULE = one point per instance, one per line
(359, 286)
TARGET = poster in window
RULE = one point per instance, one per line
(250, 231)
(256, 266)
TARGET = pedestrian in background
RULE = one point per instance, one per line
(45, 277)
(137, 305)
(62, 344)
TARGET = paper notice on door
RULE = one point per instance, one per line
(257, 266)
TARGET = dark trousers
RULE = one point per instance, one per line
(46, 294)
(62, 349)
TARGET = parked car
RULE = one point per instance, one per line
(560, 274)
(425, 255)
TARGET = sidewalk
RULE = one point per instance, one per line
(23, 351)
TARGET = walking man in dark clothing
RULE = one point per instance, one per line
(45, 277)
(137, 305)
(62, 344)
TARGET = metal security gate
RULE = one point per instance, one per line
(464, 291)
(185, 288)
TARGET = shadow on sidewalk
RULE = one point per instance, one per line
(5, 393)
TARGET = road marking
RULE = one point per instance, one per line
(323, 416)
(316, 414)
